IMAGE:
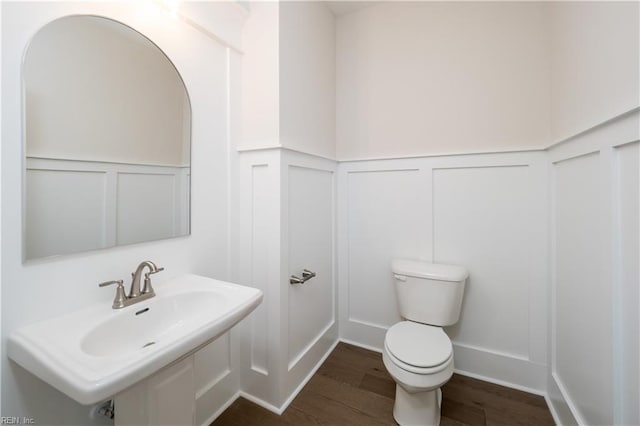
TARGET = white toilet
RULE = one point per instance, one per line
(417, 352)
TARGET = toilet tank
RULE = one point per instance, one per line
(429, 293)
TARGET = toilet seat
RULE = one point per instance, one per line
(418, 348)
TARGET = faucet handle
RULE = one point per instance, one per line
(106, 283)
(155, 272)
(118, 301)
(147, 281)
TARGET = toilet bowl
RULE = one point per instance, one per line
(419, 358)
(417, 352)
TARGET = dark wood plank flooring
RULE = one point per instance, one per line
(352, 387)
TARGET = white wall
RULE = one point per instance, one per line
(485, 212)
(594, 63)
(422, 78)
(96, 100)
(38, 290)
(260, 123)
(307, 77)
(288, 78)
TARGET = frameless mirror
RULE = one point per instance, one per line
(107, 139)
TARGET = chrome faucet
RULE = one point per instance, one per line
(135, 295)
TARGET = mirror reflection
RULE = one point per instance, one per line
(107, 139)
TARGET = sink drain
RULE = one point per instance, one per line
(148, 344)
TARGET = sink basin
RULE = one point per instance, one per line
(97, 352)
(166, 320)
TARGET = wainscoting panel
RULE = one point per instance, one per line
(146, 207)
(627, 296)
(86, 205)
(387, 215)
(311, 231)
(482, 219)
(212, 363)
(582, 296)
(60, 220)
(287, 224)
(260, 193)
(486, 212)
(212, 368)
(263, 347)
(259, 267)
(308, 241)
(595, 232)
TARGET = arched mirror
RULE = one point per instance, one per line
(107, 139)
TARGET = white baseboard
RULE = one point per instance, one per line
(552, 409)
(308, 377)
(466, 373)
(567, 411)
(503, 369)
(279, 410)
(500, 382)
(221, 409)
(361, 345)
(262, 403)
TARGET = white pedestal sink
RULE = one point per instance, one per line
(98, 352)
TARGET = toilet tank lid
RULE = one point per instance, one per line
(432, 271)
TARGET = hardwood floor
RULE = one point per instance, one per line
(352, 387)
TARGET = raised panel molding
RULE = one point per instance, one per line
(482, 221)
(258, 194)
(260, 191)
(146, 207)
(580, 366)
(212, 364)
(279, 361)
(422, 199)
(299, 356)
(595, 222)
(308, 241)
(54, 210)
(627, 292)
(215, 381)
(387, 217)
(165, 398)
(311, 229)
(117, 202)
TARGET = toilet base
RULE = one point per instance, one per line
(417, 409)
